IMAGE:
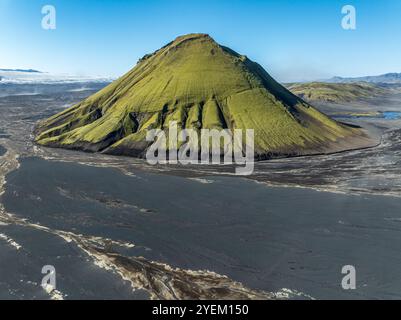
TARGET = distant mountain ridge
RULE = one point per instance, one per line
(337, 92)
(21, 70)
(31, 76)
(384, 78)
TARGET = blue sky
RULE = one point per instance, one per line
(293, 39)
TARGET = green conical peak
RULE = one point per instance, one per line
(199, 84)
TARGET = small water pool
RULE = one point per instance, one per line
(391, 115)
(387, 115)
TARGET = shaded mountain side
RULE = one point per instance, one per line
(199, 84)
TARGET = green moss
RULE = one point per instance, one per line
(336, 92)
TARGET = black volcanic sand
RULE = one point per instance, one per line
(77, 277)
(2, 151)
(267, 238)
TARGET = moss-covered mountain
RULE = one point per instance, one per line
(336, 92)
(200, 84)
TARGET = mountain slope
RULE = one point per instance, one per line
(200, 84)
(336, 92)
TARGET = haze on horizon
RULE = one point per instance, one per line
(293, 41)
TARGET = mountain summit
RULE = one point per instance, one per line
(199, 84)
